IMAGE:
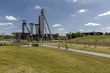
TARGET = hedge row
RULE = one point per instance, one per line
(35, 45)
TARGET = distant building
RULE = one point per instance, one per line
(92, 33)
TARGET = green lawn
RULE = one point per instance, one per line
(49, 60)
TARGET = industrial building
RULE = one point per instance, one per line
(42, 29)
(92, 33)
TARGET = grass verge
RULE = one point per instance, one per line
(19, 59)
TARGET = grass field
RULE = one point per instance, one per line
(99, 44)
(48, 60)
(103, 40)
(99, 49)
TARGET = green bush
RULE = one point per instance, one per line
(35, 45)
(3, 44)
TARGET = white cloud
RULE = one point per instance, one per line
(10, 18)
(82, 10)
(5, 24)
(81, 30)
(75, 0)
(107, 28)
(72, 1)
(105, 14)
(73, 15)
(92, 24)
(56, 25)
(61, 29)
(37, 7)
(65, 32)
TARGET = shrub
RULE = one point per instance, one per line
(35, 45)
(3, 44)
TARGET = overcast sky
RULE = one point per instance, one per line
(63, 15)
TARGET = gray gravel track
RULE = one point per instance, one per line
(81, 51)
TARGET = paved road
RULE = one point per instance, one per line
(81, 51)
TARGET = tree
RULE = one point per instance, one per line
(32, 39)
(18, 38)
(56, 36)
(28, 40)
(89, 41)
(79, 34)
(68, 36)
(14, 34)
(73, 35)
(62, 37)
(96, 40)
(107, 33)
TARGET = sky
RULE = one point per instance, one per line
(63, 16)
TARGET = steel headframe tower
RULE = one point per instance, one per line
(44, 29)
(24, 25)
(31, 28)
(23, 35)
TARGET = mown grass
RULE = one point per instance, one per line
(19, 59)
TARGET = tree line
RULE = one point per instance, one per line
(73, 35)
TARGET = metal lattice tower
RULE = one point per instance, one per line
(44, 27)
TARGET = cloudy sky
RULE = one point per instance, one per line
(63, 15)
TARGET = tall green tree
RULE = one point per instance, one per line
(56, 36)
(28, 40)
(19, 39)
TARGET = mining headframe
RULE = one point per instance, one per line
(42, 29)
